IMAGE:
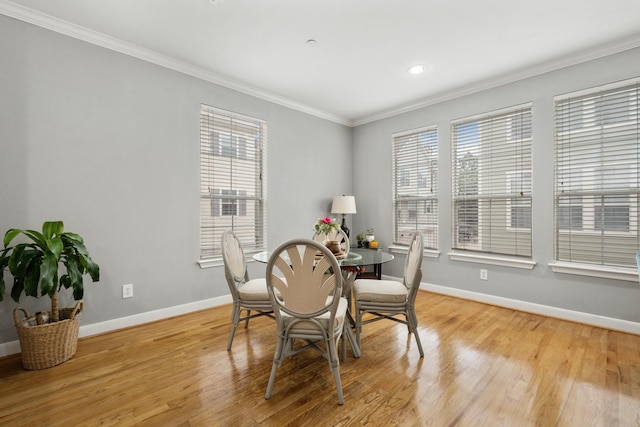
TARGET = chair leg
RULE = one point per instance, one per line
(413, 324)
(246, 322)
(277, 360)
(358, 325)
(235, 315)
(344, 342)
(334, 364)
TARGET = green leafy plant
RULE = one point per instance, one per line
(35, 264)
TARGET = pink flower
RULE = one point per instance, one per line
(326, 220)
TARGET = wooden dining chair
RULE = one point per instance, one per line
(386, 299)
(248, 294)
(306, 293)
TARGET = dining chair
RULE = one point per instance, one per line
(305, 287)
(338, 235)
(247, 294)
(386, 299)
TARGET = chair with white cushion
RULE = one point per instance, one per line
(305, 287)
(386, 299)
(247, 294)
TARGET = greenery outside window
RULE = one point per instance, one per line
(491, 175)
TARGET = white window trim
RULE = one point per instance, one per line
(524, 264)
(219, 262)
(593, 270)
(403, 250)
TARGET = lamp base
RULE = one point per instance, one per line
(343, 226)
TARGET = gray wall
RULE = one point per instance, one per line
(372, 147)
(110, 145)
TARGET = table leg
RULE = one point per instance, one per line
(348, 277)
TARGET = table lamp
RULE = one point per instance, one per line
(344, 205)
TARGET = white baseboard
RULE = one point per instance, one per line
(134, 320)
(543, 310)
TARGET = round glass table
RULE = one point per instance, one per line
(351, 264)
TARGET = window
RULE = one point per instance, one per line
(492, 182)
(232, 180)
(415, 185)
(597, 155)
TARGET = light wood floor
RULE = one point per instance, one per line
(483, 366)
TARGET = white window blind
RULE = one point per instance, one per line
(492, 182)
(232, 180)
(597, 154)
(415, 185)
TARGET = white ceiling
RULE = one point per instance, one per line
(356, 71)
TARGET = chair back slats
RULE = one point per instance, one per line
(338, 235)
(306, 288)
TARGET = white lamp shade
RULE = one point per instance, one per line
(344, 205)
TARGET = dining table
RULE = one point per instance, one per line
(350, 264)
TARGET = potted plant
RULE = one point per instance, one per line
(47, 338)
(360, 239)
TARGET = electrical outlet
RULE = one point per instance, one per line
(484, 275)
(127, 291)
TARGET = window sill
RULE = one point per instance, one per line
(428, 253)
(604, 272)
(493, 260)
(211, 262)
(219, 262)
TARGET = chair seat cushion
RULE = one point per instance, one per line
(380, 291)
(323, 319)
(254, 290)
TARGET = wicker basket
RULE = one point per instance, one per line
(49, 344)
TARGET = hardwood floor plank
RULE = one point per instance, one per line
(483, 366)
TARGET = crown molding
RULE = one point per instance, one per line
(560, 63)
(66, 28)
(39, 19)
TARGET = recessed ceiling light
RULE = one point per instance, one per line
(311, 42)
(417, 69)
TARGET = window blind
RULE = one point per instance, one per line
(232, 180)
(491, 175)
(415, 185)
(597, 154)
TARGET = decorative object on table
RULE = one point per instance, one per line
(344, 205)
(329, 230)
(371, 235)
(336, 241)
(373, 244)
(47, 338)
(326, 225)
(360, 239)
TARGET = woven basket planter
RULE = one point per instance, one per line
(49, 344)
